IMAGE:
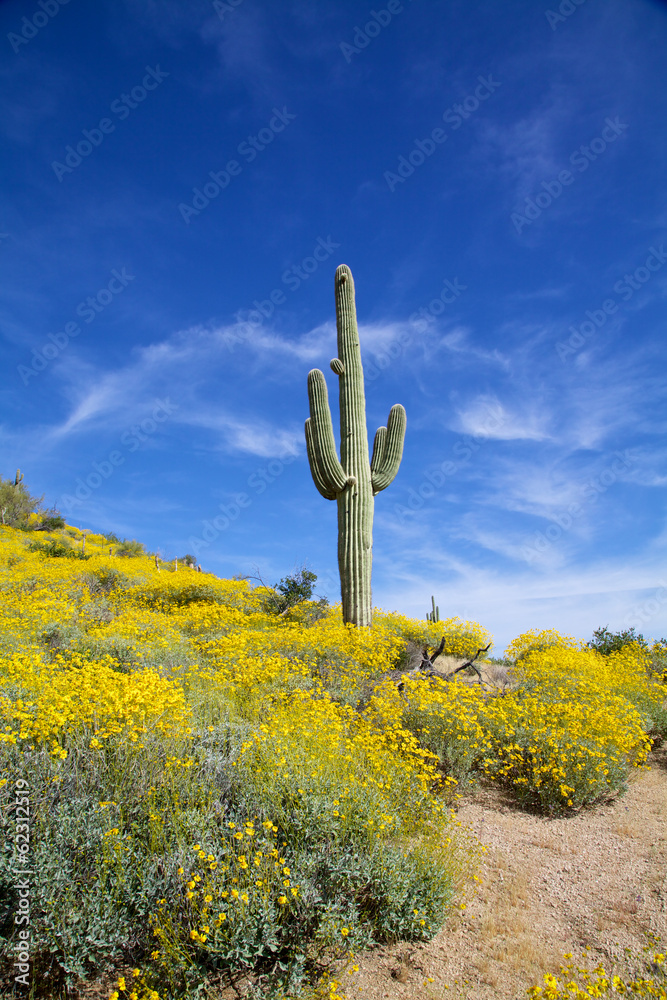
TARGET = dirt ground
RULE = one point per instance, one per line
(549, 886)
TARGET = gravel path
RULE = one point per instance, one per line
(549, 886)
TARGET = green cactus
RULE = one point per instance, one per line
(18, 478)
(352, 481)
(433, 616)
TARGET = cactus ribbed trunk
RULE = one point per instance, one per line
(355, 504)
(352, 481)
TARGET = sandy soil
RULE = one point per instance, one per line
(549, 886)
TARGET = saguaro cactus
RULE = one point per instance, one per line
(352, 481)
(433, 616)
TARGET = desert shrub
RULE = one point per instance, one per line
(105, 580)
(583, 982)
(161, 717)
(57, 550)
(130, 549)
(655, 656)
(606, 642)
(444, 716)
(56, 636)
(188, 560)
(309, 612)
(51, 520)
(536, 641)
(462, 638)
(291, 590)
(657, 665)
(576, 726)
(174, 591)
(137, 831)
(191, 593)
(19, 509)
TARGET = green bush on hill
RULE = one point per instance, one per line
(19, 509)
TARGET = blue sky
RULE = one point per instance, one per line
(180, 182)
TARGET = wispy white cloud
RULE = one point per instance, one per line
(251, 437)
(487, 417)
(183, 368)
(618, 592)
(528, 150)
(457, 341)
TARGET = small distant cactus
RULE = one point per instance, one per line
(433, 616)
(18, 478)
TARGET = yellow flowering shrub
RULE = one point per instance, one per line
(577, 725)
(58, 698)
(444, 717)
(231, 900)
(176, 705)
(462, 638)
(312, 755)
(583, 982)
(536, 640)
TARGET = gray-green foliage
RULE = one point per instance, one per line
(57, 549)
(17, 504)
(129, 548)
(604, 641)
(108, 837)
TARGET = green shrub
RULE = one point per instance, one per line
(57, 550)
(103, 581)
(51, 521)
(17, 505)
(130, 549)
(607, 642)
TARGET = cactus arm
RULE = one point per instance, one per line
(352, 480)
(385, 470)
(330, 471)
(316, 469)
(378, 449)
